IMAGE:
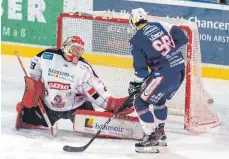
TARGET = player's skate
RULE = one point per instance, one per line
(148, 145)
(160, 131)
(162, 143)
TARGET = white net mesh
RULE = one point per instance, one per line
(106, 35)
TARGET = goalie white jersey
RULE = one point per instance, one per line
(67, 85)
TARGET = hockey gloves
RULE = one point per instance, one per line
(134, 88)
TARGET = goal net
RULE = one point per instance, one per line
(106, 36)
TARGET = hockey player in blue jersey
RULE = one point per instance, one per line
(155, 46)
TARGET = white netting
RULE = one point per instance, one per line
(109, 35)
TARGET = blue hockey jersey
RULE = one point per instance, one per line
(157, 46)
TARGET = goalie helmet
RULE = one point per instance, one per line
(136, 16)
(73, 48)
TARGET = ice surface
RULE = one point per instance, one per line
(38, 144)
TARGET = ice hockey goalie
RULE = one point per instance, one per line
(67, 87)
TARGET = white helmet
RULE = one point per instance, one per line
(136, 16)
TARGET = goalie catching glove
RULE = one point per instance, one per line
(125, 105)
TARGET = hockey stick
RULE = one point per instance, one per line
(82, 148)
(43, 111)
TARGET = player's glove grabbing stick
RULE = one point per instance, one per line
(82, 148)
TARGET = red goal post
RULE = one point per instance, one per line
(106, 35)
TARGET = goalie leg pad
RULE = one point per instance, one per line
(33, 116)
(29, 118)
(34, 90)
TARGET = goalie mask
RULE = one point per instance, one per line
(73, 48)
(136, 16)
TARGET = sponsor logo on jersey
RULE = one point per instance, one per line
(90, 123)
(60, 74)
(48, 56)
(59, 85)
(58, 102)
(56, 73)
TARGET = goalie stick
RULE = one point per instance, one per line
(82, 148)
(53, 129)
